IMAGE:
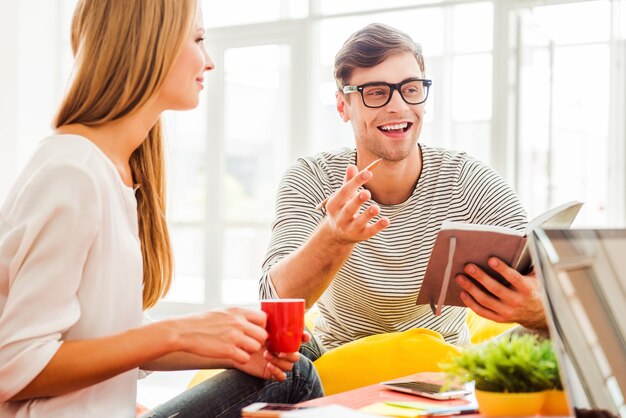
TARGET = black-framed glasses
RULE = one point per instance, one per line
(376, 94)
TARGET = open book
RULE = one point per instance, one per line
(458, 244)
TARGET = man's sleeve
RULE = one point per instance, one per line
(296, 219)
(492, 200)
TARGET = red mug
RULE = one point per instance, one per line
(285, 324)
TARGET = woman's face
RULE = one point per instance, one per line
(182, 87)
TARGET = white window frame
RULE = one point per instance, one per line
(300, 34)
(505, 158)
(288, 32)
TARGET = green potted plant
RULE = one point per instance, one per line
(511, 374)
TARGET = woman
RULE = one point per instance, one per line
(84, 245)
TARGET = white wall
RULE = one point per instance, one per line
(8, 91)
(30, 53)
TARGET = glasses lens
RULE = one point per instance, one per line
(375, 95)
(414, 92)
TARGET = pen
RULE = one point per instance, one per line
(439, 411)
(473, 409)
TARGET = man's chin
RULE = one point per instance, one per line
(395, 155)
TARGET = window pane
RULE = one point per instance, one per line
(297, 9)
(586, 22)
(471, 87)
(534, 130)
(239, 12)
(620, 7)
(473, 138)
(351, 6)
(564, 129)
(329, 131)
(187, 163)
(432, 127)
(189, 254)
(472, 27)
(187, 186)
(257, 128)
(243, 252)
(66, 8)
(581, 128)
(429, 31)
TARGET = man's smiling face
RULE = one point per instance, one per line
(389, 132)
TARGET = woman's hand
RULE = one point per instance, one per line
(233, 334)
(271, 366)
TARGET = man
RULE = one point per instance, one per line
(362, 258)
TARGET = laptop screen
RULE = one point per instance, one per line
(583, 272)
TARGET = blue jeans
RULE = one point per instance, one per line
(225, 394)
(313, 349)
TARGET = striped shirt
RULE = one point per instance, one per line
(376, 289)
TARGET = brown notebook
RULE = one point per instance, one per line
(458, 244)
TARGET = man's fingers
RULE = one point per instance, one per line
(479, 309)
(351, 171)
(351, 209)
(492, 285)
(353, 180)
(350, 188)
(514, 277)
(380, 224)
(484, 299)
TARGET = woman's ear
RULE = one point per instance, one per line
(343, 106)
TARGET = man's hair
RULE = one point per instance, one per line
(369, 47)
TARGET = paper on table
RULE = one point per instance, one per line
(434, 410)
(383, 408)
(426, 406)
(335, 411)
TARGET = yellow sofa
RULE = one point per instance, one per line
(386, 356)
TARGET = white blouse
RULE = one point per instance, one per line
(70, 269)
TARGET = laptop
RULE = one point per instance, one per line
(583, 272)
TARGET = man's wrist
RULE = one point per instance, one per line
(331, 242)
(538, 327)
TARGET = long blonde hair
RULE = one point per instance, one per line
(124, 50)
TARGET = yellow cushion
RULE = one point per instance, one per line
(310, 317)
(386, 356)
(482, 329)
(381, 357)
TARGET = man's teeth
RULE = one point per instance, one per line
(394, 127)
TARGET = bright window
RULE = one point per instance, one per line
(565, 113)
(515, 84)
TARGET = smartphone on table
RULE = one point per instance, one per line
(268, 410)
(426, 389)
